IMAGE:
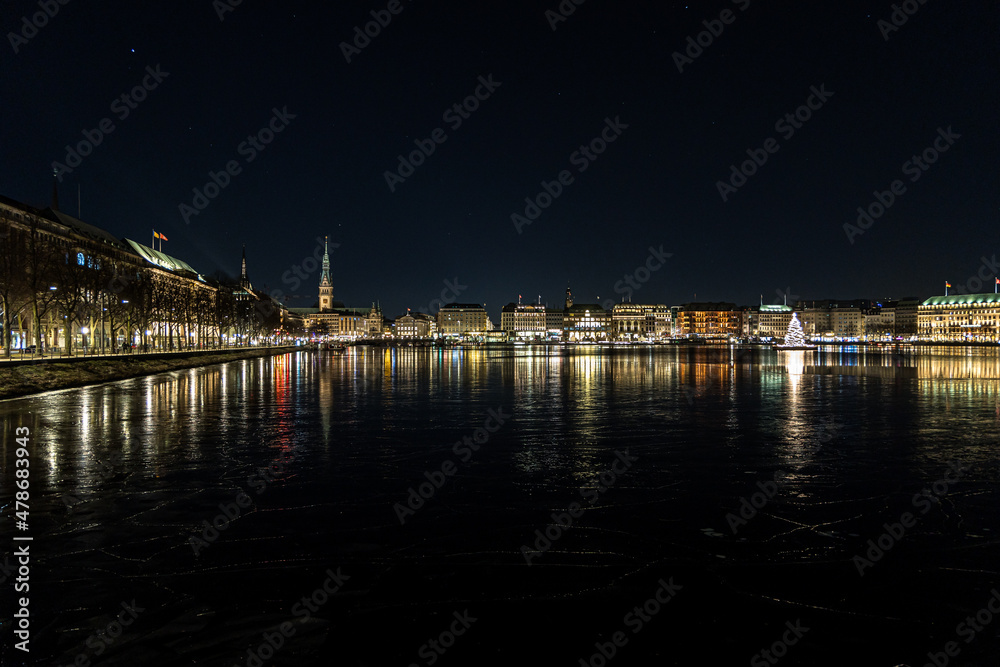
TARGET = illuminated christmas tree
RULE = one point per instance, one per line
(795, 337)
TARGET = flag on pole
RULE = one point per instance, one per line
(946, 286)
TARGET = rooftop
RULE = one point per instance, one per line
(962, 299)
(162, 260)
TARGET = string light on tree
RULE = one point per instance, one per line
(795, 338)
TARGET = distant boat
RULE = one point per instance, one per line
(336, 347)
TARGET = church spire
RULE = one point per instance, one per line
(244, 279)
(324, 280)
(325, 284)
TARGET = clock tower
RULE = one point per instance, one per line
(325, 284)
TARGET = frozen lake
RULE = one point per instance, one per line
(380, 507)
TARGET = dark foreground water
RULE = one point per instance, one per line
(676, 542)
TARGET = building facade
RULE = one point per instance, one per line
(709, 320)
(959, 318)
(67, 284)
(462, 319)
(633, 321)
(524, 321)
(767, 321)
(586, 322)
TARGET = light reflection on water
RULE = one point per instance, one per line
(571, 398)
(854, 428)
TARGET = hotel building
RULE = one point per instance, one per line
(959, 318)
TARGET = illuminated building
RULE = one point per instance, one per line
(586, 321)
(415, 325)
(709, 320)
(554, 322)
(880, 321)
(635, 321)
(83, 287)
(460, 319)
(325, 282)
(331, 318)
(525, 320)
(767, 321)
(963, 317)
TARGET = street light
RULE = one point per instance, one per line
(84, 331)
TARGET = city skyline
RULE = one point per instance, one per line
(749, 160)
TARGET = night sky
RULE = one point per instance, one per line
(655, 185)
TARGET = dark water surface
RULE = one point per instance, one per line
(314, 456)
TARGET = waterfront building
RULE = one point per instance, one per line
(767, 321)
(415, 325)
(959, 318)
(462, 319)
(634, 321)
(554, 323)
(586, 322)
(405, 327)
(524, 321)
(816, 321)
(69, 284)
(709, 320)
(847, 322)
(375, 322)
(906, 316)
(331, 318)
(880, 321)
